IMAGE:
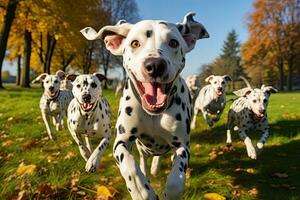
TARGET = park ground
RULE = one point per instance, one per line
(33, 167)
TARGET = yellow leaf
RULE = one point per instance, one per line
(7, 143)
(26, 169)
(106, 192)
(250, 170)
(50, 158)
(213, 196)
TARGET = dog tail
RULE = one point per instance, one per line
(246, 81)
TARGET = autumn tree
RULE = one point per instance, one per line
(274, 42)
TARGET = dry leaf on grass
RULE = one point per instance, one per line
(213, 196)
(106, 192)
(253, 192)
(250, 170)
(280, 175)
(26, 169)
(7, 143)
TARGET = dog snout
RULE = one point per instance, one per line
(155, 67)
(51, 88)
(86, 98)
(262, 111)
(220, 88)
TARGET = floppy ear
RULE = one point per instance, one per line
(227, 78)
(101, 77)
(71, 77)
(41, 77)
(191, 30)
(243, 92)
(208, 79)
(113, 36)
(61, 74)
(269, 89)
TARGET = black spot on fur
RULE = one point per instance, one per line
(178, 117)
(133, 130)
(176, 144)
(121, 129)
(100, 106)
(120, 143)
(171, 102)
(121, 157)
(182, 89)
(183, 106)
(188, 126)
(147, 187)
(129, 177)
(127, 98)
(132, 138)
(175, 138)
(178, 100)
(149, 33)
(128, 110)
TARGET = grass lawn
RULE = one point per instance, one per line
(55, 170)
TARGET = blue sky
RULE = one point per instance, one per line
(218, 16)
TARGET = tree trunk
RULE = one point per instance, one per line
(25, 79)
(8, 19)
(281, 76)
(18, 78)
(290, 74)
(51, 42)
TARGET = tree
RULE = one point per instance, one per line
(8, 20)
(274, 41)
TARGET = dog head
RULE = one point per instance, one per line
(153, 54)
(218, 83)
(258, 98)
(51, 83)
(86, 89)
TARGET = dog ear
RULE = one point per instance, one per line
(101, 77)
(227, 78)
(269, 89)
(113, 36)
(71, 77)
(191, 30)
(41, 77)
(61, 74)
(243, 92)
(208, 79)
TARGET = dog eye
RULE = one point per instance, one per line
(265, 100)
(56, 81)
(135, 44)
(215, 82)
(223, 82)
(173, 43)
(94, 85)
(78, 85)
(254, 101)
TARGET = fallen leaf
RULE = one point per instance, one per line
(280, 175)
(188, 173)
(7, 143)
(213, 196)
(250, 170)
(106, 192)
(10, 119)
(50, 159)
(26, 169)
(69, 155)
(253, 192)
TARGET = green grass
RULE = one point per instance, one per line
(23, 139)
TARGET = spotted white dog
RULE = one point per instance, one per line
(89, 116)
(211, 99)
(54, 101)
(247, 112)
(155, 108)
(193, 84)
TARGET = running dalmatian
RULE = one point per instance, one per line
(193, 84)
(89, 117)
(155, 109)
(249, 111)
(211, 99)
(54, 101)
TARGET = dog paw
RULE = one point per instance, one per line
(251, 152)
(259, 148)
(58, 127)
(91, 165)
(53, 137)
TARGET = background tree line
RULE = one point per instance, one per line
(43, 35)
(271, 54)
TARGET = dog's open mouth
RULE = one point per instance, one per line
(52, 94)
(154, 96)
(87, 106)
(219, 93)
(259, 116)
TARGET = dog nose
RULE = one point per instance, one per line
(86, 98)
(262, 111)
(220, 88)
(51, 88)
(155, 67)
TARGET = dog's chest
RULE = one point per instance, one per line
(216, 105)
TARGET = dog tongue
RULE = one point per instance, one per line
(154, 93)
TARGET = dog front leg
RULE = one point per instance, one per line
(155, 165)
(46, 119)
(262, 141)
(84, 151)
(59, 124)
(94, 160)
(137, 184)
(143, 159)
(176, 179)
(193, 124)
(207, 118)
(249, 146)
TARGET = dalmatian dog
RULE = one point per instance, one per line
(211, 99)
(155, 108)
(89, 117)
(193, 84)
(54, 101)
(247, 112)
